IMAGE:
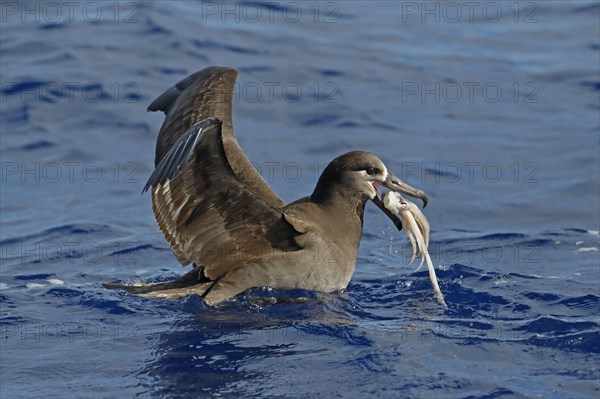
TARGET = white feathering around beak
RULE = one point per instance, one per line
(385, 173)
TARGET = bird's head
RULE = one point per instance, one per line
(359, 176)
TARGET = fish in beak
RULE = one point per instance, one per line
(393, 183)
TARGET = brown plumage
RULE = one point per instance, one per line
(217, 212)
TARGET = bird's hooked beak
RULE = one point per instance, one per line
(394, 183)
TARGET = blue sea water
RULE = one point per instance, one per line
(493, 108)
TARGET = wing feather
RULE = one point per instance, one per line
(206, 213)
(208, 93)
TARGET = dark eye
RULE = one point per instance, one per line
(372, 171)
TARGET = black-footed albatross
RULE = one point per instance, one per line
(217, 212)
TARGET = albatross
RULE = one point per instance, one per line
(218, 214)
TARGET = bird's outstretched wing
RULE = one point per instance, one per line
(208, 93)
(209, 215)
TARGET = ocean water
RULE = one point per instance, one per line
(492, 108)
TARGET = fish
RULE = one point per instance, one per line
(417, 229)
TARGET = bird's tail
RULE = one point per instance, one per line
(193, 282)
